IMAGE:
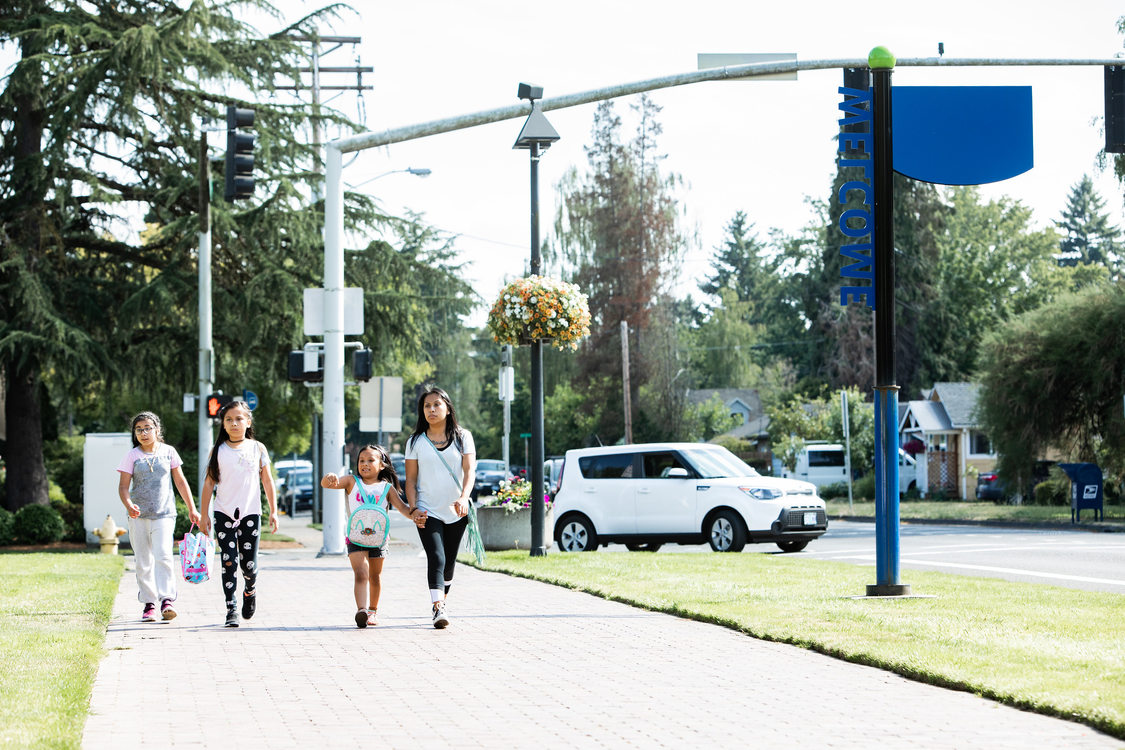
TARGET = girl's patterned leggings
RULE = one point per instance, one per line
(238, 545)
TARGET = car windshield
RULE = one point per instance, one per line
(712, 463)
(490, 465)
(299, 478)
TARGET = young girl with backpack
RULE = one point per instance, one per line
(440, 461)
(375, 482)
(237, 470)
(147, 474)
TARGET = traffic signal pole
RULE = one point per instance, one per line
(332, 429)
(206, 354)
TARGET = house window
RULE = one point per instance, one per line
(979, 444)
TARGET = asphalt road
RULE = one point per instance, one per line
(1074, 559)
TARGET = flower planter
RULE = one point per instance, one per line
(540, 309)
(500, 529)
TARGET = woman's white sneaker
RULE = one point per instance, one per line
(440, 620)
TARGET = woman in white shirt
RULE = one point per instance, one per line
(440, 470)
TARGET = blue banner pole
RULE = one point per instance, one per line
(882, 63)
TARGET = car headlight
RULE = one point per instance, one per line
(763, 493)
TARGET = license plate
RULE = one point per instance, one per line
(810, 519)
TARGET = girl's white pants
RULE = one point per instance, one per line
(151, 539)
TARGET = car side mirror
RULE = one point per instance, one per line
(677, 473)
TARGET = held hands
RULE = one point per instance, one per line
(461, 507)
(418, 516)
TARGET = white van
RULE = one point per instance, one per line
(823, 464)
(820, 463)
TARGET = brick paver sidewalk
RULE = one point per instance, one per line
(522, 665)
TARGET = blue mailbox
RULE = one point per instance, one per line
(1085, 489)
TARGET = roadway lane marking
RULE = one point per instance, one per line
(938, 549)
(1016, 571)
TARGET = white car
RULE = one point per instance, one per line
(645, 495)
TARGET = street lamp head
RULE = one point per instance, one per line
(536, 132)
(529, 92)
(417, 171)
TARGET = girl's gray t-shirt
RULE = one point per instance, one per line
(151, 489)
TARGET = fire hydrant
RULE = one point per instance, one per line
(108, 534)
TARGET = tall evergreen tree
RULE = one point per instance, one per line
(739, 263)
(618, 231)
(99, 127)
(1088, 237)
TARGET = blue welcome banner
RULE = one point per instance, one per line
(962, 135)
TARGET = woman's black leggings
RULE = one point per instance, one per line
(238, 545)
(441, 540)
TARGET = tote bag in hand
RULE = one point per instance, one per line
(369, 525)
(195, 556)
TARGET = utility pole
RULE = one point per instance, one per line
(329, 506)
(315, 70)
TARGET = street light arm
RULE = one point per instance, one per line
(416, 171)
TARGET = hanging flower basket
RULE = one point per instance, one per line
(540, 309)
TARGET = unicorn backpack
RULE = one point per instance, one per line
(369, 524)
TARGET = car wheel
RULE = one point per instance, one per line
(726, 532)
(575, 533)
(793, 546)
(636, 547)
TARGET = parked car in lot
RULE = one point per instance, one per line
(552, 474)
(296, 493)
(989, 486)
(490, 474)
(645, 495)
(398, 462)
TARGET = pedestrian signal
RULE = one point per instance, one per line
(215, 403)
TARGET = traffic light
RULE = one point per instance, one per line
(362, 363)
(240, 154)
(297, 364)
(215, 403)
(1115, 109)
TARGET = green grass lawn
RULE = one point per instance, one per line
(1053, 650)
(54, 610)
(956, 510)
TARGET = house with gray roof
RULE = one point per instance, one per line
(748, 420)
(954, 448)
